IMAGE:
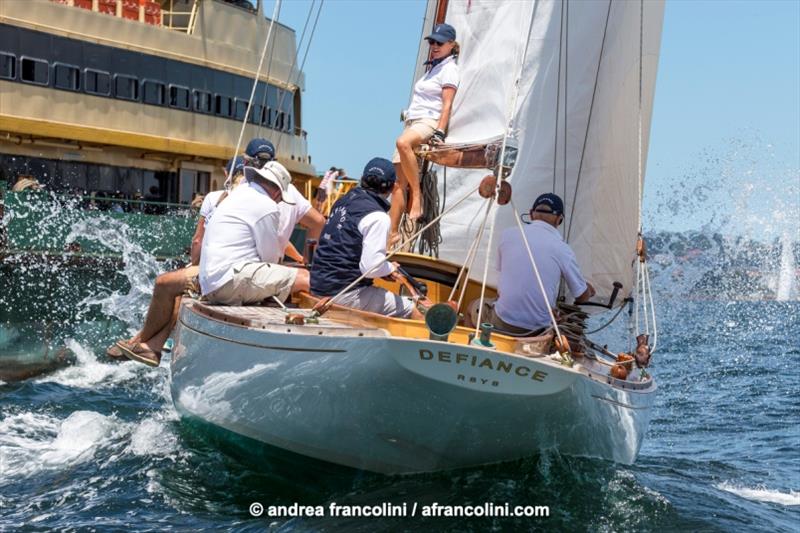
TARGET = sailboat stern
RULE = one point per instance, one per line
(360, 398)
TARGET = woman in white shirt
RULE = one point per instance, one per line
(425, 120)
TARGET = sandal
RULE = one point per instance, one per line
(135, 352)
(114, 352)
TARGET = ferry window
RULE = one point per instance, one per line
(97, 82)
(126, 87)
(202, 102)
(266, 118)
(35, 71)
(256, 113)
(241, 109)
(153, 92)
(8, 66)
(67, 77)
(289, 123)
(279, 120)
(223, 105)
(179, 97)
(202, 182)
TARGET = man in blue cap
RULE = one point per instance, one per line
(520, 307)
(259, 152)
(353, 243)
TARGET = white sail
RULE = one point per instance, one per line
(573, 104)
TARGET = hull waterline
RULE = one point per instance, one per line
(374, 402)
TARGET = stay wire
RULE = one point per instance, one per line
(566, 107)
(511, 106)
(588, 123)
(302, 63)
(266, 88)
(471, 255)
(558, 94)
(252, 93)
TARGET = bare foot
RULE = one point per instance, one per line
(415, 209)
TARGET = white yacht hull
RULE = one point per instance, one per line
(393, 405)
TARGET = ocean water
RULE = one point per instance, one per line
(98, 445)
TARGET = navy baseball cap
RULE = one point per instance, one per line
(238, 164)
(442, 33)
(550, 200)
(379, 174)
(260, 146)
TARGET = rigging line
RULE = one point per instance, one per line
(613, 318)
(558, 93)
(291, 69)
(470, 259)
(588, 122)
(536, 271)
(400, 245)
(653, 311)
(473, 252)
(641, 52)
(485, 270)
(252, 92)
(644, 299)
(637, 295)
(302, 64)
(512, 103)
(266, 88)
(566, 113)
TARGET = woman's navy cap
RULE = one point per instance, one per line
(260, 146)
(550, 200)
(442, 33)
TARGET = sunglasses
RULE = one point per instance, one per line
(431, 42)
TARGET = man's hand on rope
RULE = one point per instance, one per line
(437, 138)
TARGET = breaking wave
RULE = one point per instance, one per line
(761, 494)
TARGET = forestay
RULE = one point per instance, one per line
(575, 119)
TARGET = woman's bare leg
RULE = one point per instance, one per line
(398, 204)
(406, 144)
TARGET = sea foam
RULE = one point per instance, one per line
(762, 494)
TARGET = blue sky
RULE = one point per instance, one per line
(726, 117)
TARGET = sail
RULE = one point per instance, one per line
(563, 79)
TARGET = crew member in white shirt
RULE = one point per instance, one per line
(425, 119)
(234, 174)
(520, 307)
(242, 245)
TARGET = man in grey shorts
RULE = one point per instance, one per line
(353, 243)
(241, 246)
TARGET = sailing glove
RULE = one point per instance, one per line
(437, 137)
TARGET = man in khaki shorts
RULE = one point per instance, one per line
(241, 247)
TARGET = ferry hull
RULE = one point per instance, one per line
(396, 405)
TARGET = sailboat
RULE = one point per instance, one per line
(555, 96)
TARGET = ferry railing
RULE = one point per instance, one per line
(339, 188)
(147, 11)
(170, 15)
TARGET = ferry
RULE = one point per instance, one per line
(129, 109)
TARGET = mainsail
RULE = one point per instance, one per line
(565, 80)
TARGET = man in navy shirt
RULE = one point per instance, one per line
(353, 242)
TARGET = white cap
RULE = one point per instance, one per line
(274, 173)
